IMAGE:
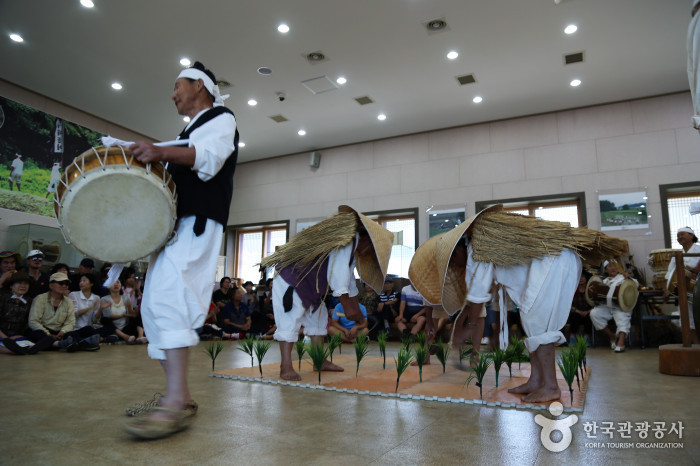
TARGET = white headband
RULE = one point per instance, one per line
(213, 88)
(687, 230)
(605, 263)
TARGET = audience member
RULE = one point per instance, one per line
(86, 265)
(250, 297)
(224, 294)
(40, 283)
(235, 316)
(370, 300)
(412, 310)
(119, 310)
(387, 309)
(15, 304)
(9, 261)
(87, 310)
(602, 313)
(348, 329)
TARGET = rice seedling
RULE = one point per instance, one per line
(421, 338)
(568, 366)
(581, 344)
(381, 339)
(335, 342)
(479, 371)
(361, 344)
(301, 349)
(443, 351)
(402, 361)
(498, 357)
(518, 350)
(421, 353)
(406, 341)
(246, 345)
(510, 359)
(213, 349)
(261, 349)
(465, 352)
(574, 354)
(318, 355)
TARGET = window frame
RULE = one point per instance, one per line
(671, 191)
(534, 202)
(233, 233)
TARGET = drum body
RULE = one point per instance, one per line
(114, 208)
(659, 259)
(624, 296)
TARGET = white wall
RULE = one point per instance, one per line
(622, 146)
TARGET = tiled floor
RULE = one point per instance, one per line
(62, 408)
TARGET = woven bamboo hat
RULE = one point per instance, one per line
(373, 269)
(423, 271)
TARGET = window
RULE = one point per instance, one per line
(675, 206)
(569, 208)
(253, 244)
(441, 221)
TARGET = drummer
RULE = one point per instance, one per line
(178, 287)
(602, 313)
(689, 242)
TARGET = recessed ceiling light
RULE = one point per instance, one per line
(477, 99)
(283, 28)
(301, 132)
(117, 86)
(264, 70)
(341, 80)
(252, 102)
(186, 119)
(241, 144)
(570, 29)
(16, 38)
(184, 61)
(575, 83)
(381, 117)
(452, 55)
(87, 3)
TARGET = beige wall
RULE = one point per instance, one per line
(622, 146)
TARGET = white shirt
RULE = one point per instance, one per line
(341, 278)
(80, 302)
(690, 262)
(18, 166)
(213, 143)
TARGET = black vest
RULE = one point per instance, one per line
(205, 199)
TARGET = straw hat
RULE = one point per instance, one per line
(373, 269)
(430, 272)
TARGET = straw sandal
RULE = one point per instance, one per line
(145, 407)
(145, 428)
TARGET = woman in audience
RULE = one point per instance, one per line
(87, 310)
(119, 310)
(15, 304)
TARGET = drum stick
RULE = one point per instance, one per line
(109, 141)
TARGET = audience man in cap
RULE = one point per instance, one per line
(40, 284)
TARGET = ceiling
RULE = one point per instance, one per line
(514, 48)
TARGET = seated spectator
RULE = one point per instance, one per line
(52, 316)
(235, 316)
(104, 272)
(250, 297)
(86, 265)
(601, 314)
(210, 329)
(9, 261)
(387, 309)
(87, 310)
(40, 280)
(370, 300)
(132, 288)
(224, 294)
(15, 303)
(62, 268)
(412, 310)
(265, 314)
(579, 320)
(118, 310)
(348, 329)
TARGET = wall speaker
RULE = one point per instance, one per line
(315, 160)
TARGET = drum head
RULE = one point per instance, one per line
(696, 307)
(627, 296)
(120, 214)
(593, 279)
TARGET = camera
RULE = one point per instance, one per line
(281, 96)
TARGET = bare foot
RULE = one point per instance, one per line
(330, 367)
(289, 375)
(542, 395)
(527, 387)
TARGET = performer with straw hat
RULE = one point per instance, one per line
(536, 262)
(321, 258)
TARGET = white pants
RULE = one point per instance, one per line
(601, 315)
(314, 321)
(178, 288)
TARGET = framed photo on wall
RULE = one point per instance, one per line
(623, 210)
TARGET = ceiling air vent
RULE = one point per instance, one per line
(364, 100)
(436, 25)
(573, 58)
(466, 79)
(278, 118)
(316, 57)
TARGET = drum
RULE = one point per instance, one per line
(658, 281)
(659, 259)
(673, 282)
(114, 208)
(624, 296)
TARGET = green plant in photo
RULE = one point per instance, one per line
(381, 339)
(568, 365)
(402, 361)
(246, 345)
(421, 353)
(261, 349)
(443, 351)
(498, 357)
(479, 371)
(335, 342)
(213, 349)
(318, 355)
(301, 349)
(361, 344)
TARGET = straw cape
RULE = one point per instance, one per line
(504, 239)
(312, 246)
